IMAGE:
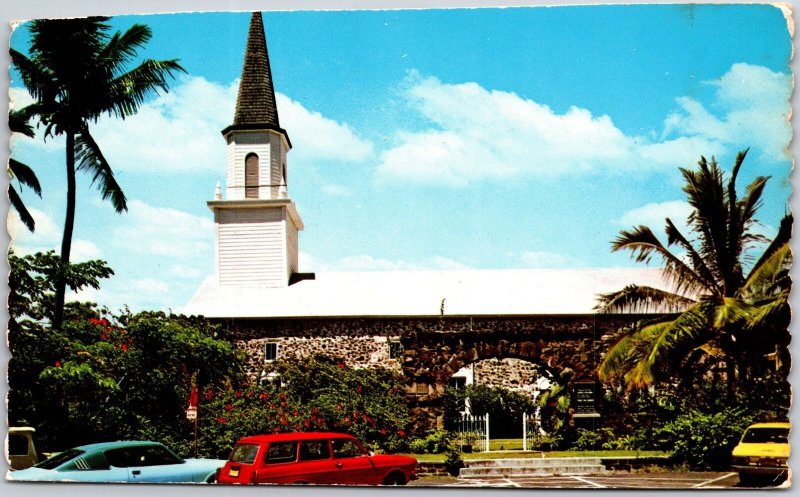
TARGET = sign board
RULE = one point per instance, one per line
(191, 413)
(584, 398)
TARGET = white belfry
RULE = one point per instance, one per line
(256, 223)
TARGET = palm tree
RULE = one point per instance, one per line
(77, 73)
(18, 123)
(719, 313)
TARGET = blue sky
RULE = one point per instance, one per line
(435, 139)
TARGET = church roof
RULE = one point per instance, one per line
(255, 102)
(422, 293)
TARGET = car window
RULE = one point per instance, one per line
(244, 453)
(17, 444)
(313, 450)
(59, 459)
(88, 462)
(345, 447)
(144, 455)
(766, 435)
(279, 452)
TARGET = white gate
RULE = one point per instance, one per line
(473, 431)
(531, 430)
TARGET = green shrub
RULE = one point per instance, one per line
(453, 461)
(435, 442)
(704, 441)
(600, 439)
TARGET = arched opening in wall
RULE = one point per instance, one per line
(251, 176)
(506, 389)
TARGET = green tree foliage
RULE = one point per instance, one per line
(505, 408)
(723, 312)
(77, 73)
(309, 394)
(103, 378)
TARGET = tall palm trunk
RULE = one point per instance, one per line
(66, 241)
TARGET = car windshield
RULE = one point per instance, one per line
(59, 459)
(244, 453)
(766, 435)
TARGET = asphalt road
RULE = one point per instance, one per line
(618, 479)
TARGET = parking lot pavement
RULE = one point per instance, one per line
(658, 481)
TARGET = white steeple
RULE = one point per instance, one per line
(256, 224)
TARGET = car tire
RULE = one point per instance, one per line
(749, 480)
(395, 478)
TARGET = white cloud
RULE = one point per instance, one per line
(755, 103)
(482, 134)
(84, 250)
(654, 215)
(477, 134)
(46, 236)
(164, 232)
(544, 259)
(179, 131)
(309, 262)
(176, 132)
(316, 137)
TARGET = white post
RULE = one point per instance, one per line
(487, 432)
(524, 431)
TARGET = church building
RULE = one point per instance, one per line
(508, 328)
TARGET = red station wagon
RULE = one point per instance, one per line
(316, 458)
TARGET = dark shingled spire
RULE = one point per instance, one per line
(255, 103)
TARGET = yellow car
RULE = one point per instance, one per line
(760, 457)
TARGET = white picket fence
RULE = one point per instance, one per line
(531, 430)
(474, 431)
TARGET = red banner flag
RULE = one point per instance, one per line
(193, 398)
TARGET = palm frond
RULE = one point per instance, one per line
(766, 316)
(731, 311)
(88, 157)
(746, 209)
(128, 91)
(674, 236)
(35, 77)
(19, 206)
(646, 354)
(704, 192)
(736, 226)
(616, 360)
(123, 47)
(782, 238)
(643, 245)
(642, 300)
(25, 175)
(639, 372)
(19, 121)
(770, 275)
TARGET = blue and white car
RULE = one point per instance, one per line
(121, 462)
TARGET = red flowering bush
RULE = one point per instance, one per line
(314, 394)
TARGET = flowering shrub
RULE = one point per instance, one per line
(311, 394)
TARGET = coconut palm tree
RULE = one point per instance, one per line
(720, 312)
(78, 73)
(18, 122)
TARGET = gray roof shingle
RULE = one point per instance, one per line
(255, 102)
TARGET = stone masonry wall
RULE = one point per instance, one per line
(431, 349)
(512, 374)
(366, 351)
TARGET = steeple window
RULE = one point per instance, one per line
(251, 176)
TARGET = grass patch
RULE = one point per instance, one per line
(514, 454)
